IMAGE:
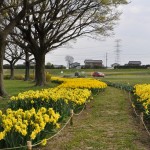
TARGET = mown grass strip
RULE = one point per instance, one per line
(107, 124)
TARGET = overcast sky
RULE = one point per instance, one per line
(134, 31)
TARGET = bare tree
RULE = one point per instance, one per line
(28, 60)
(7, 22)
(5, 30)
(17, 39)
(13, 53)
(55, 22)
(69, 60)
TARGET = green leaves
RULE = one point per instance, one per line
(116, 2)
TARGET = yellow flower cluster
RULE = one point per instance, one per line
(143, 93)
(43, 142)
(72, 91)
(78, 96)
(88, 83)
(22, 121)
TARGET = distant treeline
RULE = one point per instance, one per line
(92, 67)
(7, 66)
(132, 67)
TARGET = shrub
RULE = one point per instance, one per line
(16, 77)
(6, 77)
(48, 77)
(19, 77)
(31, 76)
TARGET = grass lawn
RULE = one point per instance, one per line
(131, 76)
(108, 72)
(128, 79)
(13, 87)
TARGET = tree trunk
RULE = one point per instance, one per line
(27, 67)
(27, 71)
(11, 71)
(3, 35)
(2, 49)
(40, 70)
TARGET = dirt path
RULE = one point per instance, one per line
(107, 124)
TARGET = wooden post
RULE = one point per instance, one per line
(29, 145)
(85, 106)
(71, 114)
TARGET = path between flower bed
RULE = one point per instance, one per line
(108, 123)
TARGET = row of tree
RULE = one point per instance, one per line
(39, 26)
(133, 67)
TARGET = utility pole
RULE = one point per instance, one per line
(106, 60)
(117, 51)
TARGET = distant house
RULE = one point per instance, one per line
(134, 63)
(93, 63)
(75, 65)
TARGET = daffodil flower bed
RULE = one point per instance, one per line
(60, 99)
(142, 92)
(19, 126)
(88, 83)
(70, 94)
(32, 113)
